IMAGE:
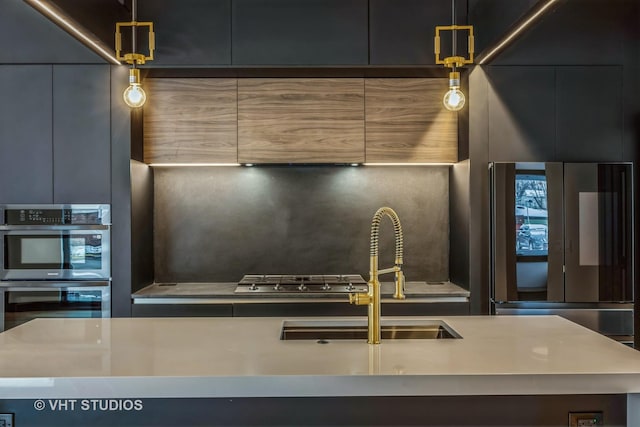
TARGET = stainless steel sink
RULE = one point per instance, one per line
(356, 330)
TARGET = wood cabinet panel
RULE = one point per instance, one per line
(191, 121)
(406, 122)
(300, 120)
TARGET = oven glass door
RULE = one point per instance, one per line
(22, 305)
(55, 254)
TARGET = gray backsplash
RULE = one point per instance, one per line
(215, 224)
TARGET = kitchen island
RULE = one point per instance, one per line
(238, 371)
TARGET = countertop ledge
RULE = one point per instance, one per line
(225, 291)
(244, 357)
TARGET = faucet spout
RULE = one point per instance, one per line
(372, 297)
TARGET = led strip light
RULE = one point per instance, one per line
(74, 29)
(513, 34)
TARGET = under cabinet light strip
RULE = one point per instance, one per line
(79, 33)
(409, 164)
(192, 164)
(271, 164)
(513, 34)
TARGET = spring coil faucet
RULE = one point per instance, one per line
(372, 297)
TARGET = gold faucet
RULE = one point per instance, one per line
(372, 297)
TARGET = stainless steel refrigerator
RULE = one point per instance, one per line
(562, 243)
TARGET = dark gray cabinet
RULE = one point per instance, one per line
(81, 134)
(182, 310)
(55, 139)
(522, 116)
(25, 134)
(294, 32)
(589, 113)
(555, 113)
(401, 31)
(298, 309)
(196, 33)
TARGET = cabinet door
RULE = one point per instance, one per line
(191, 121)
(294, 32)
(301, 120)
(198, 32)
(522, 118)
(81, 134)
(589, 102)
(25, 134)
(406, 122)
(598, 232)
(401, 31)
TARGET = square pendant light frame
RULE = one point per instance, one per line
(134, 58)
(454, 61)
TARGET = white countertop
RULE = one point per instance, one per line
(242, 357)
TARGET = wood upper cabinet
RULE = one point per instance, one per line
(298, 120)
(191, 121)
(407, 123)
(295, 120)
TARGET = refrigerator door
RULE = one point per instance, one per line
(598, 232)
(528, 234)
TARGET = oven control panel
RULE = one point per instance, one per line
(49, 215)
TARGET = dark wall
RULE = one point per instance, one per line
(459, 228)
(141, 225)
(218, 223)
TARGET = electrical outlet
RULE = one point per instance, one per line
(585, 419)
(6, 420)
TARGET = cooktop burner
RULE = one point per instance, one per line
(287, 284)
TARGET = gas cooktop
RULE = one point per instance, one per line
(289, 284)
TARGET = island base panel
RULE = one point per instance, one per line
(460, 411)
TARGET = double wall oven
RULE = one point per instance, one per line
(56, 262)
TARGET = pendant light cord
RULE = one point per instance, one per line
(454, 40)
(134, 17)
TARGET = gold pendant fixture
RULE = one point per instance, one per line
(134, 96)
(454, 99)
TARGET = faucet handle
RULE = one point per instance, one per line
(361, 298)
(399, 293)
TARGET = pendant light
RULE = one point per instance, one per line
(454, 99)
(134, 96)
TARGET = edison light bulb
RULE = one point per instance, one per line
(134, 95)
(454, 99)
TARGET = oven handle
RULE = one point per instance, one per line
(40, 284)
(53, 227)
